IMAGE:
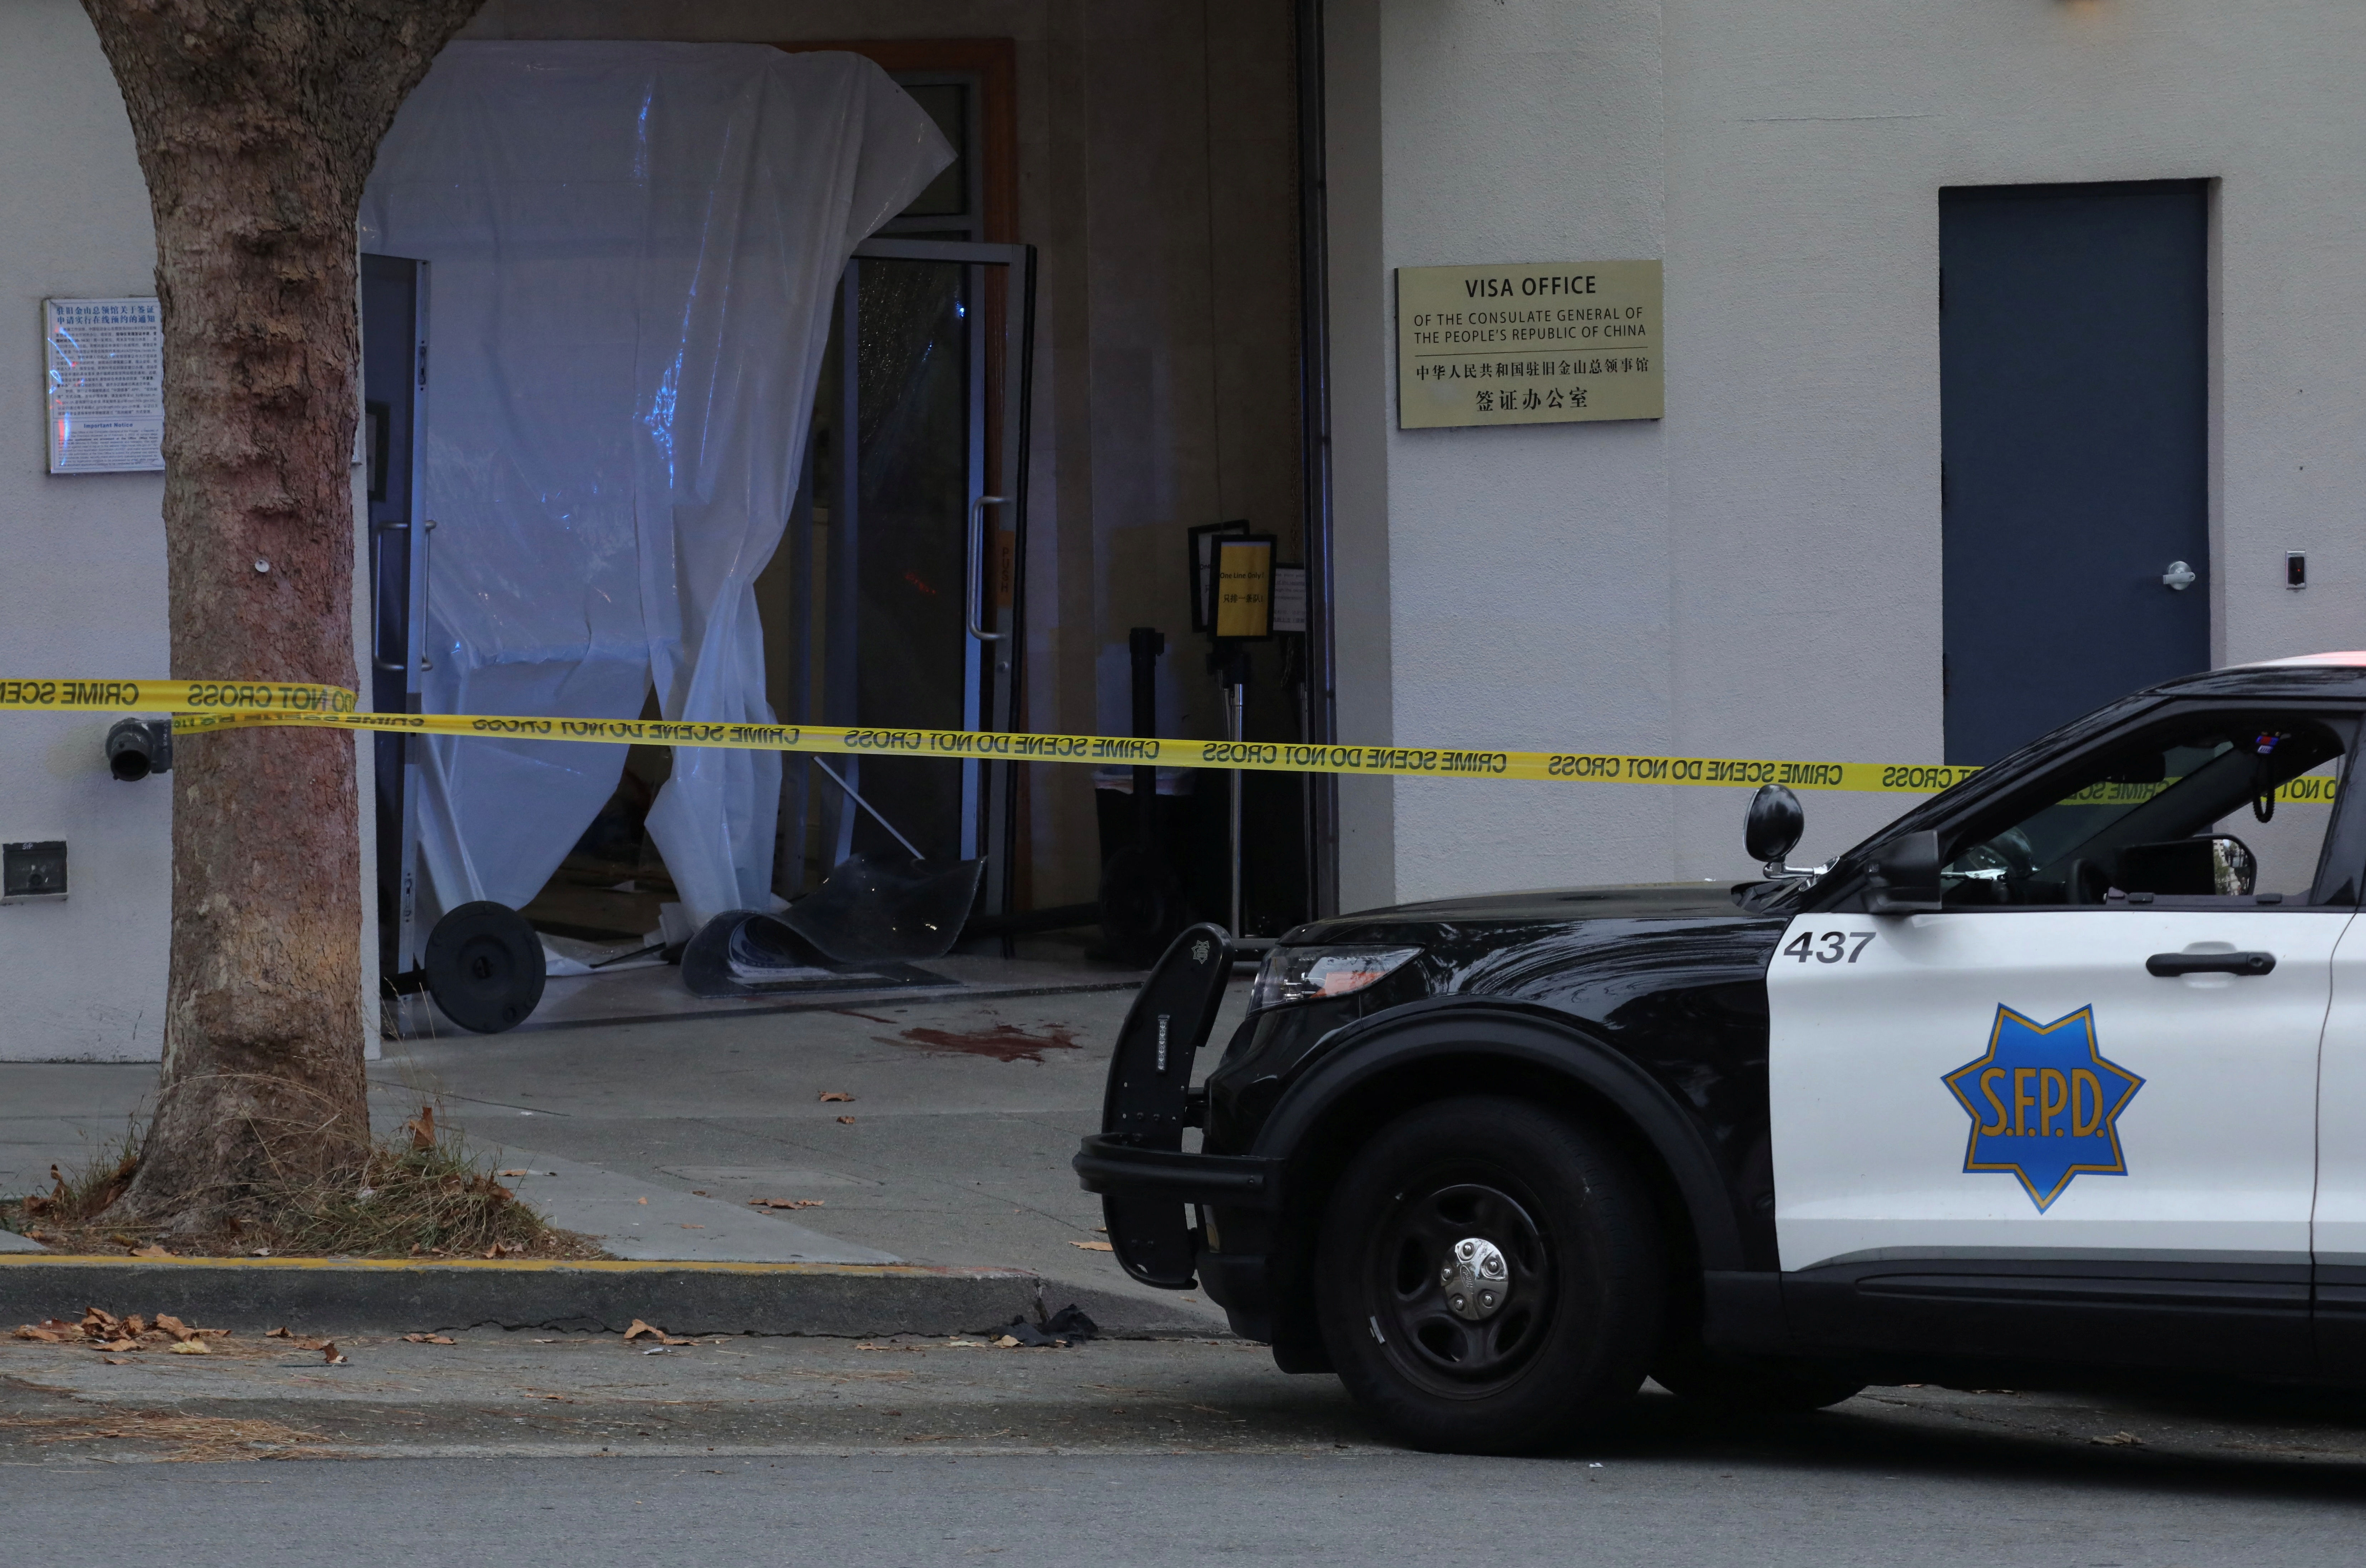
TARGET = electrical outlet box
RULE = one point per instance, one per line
(33, 872)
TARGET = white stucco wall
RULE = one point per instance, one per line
(83, 591)
(1759, 574)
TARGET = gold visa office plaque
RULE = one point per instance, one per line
(1536, 343)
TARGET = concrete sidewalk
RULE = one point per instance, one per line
(656, 1136)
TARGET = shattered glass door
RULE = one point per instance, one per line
(890, 601)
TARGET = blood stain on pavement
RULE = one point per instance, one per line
(1003, 1041)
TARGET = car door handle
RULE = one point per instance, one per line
(2168, 966)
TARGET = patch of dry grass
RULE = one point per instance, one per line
(186, 1438)
(420, 1192)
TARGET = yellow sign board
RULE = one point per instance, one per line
(1245, 587)
(1534, 343)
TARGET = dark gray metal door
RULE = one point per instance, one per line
(2074, 369)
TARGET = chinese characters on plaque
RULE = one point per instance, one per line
(1539, 343)
(105, 371)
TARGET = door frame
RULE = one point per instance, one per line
(407, 656)
(995, 62)
(994, 691)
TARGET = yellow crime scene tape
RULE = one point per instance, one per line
(201, 706)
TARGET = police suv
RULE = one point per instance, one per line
(2061, 1079)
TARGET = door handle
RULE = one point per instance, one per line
(2178, 577)
(975, 607)
(2168, 966)
(379, 531)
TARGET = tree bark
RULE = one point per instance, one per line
(257, 123)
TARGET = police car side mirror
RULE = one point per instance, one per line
(1904, 876)
(1772, 827)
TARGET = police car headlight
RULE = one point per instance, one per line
(1304, 973)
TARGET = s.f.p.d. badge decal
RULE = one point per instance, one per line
(2044, 1104)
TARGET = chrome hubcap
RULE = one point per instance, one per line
(1476, 1278)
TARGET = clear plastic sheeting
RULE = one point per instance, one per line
(635, 251)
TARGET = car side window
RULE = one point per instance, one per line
(2227, 805)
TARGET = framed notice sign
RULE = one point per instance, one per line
(1244, 586)
(1533, 342)
(1203, 570)
(106, 369)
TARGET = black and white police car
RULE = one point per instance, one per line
(2059, 1079)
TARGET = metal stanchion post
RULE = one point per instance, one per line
(1232, 732)
(1235, 675)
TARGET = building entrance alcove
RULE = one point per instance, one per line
(1076, 340)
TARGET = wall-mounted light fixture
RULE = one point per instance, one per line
(138, 747)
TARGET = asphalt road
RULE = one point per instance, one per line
(515, 1450)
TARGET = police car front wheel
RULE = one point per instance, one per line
(1489, 1277)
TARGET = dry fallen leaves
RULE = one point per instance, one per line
(847, 1120)
(102, 1330)
(1092, 1246)
(646, 1331)
(421, 1128)
(831, 1096)
(150, 1250)
(331, 1355)
(784, 1202)
(429, 1340)
(517, 1173)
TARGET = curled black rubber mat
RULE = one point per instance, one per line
(887, 908)
(745, 952)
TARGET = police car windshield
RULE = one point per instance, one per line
(2212, 809)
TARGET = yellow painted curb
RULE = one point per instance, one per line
(532, 1266)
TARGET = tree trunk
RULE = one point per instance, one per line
(257, 123)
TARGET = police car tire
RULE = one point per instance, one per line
(1737, 1383)
(1562, 1196)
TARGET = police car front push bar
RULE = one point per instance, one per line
(1147, 1105)
(2168, 966)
